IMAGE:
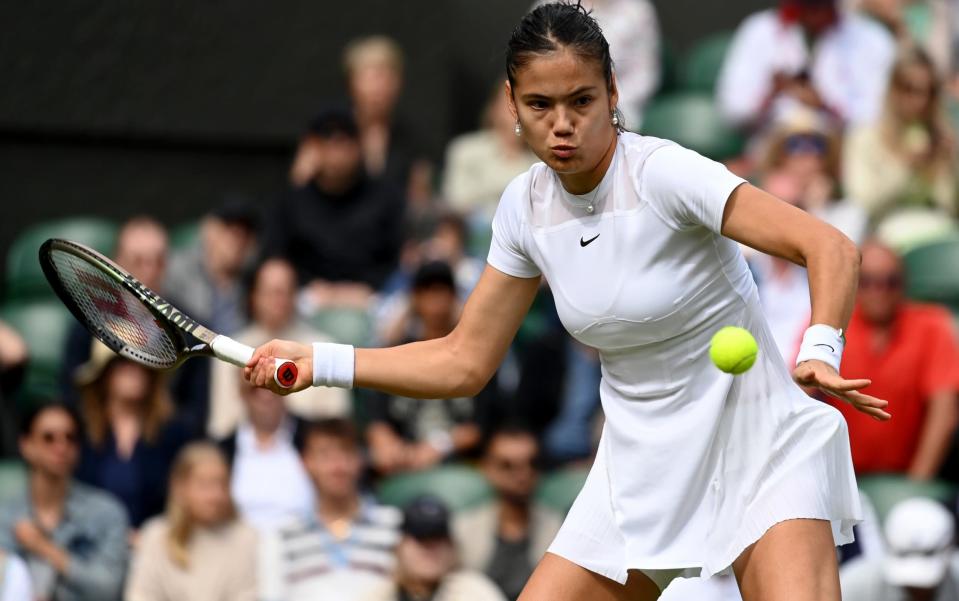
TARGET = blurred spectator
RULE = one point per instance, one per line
(13, 360)
(569, 437)
(268, 481)
(923, 23)
(426, 561)
(72, 537)
(142, 247)
(909, 352)
(479, 165)
(507, 537)
(14, 579)
(920, 565)
(906, 159)
(131, 436)
(800, 164)
(272, 304)
(199, 550)
(807, 52)
(632, 30)
(343, 230)
(345, 548)
(411, 434)
(207, 278)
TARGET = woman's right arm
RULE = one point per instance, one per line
(457, 365)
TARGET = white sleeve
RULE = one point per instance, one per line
(507, 251)
(16, 581)
(687, 189)
(745, 77)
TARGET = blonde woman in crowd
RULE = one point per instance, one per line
(200, 550)
(905, 160)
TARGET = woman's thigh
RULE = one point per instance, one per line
(794, 560)
(558, 579)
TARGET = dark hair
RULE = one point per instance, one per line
(434, 273)
(339, 428)
(550, 26)
(29, 418)
(510, 429)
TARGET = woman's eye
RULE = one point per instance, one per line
(583, 100)
(537, 104)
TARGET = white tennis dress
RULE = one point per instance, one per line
(694, 465)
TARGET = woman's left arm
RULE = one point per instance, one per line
(763, 222)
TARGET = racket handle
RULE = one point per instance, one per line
(239, 354)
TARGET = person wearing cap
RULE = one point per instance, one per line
(808, 52)
(426, 561)
(920, 564)
(411, 434)
(344, 548)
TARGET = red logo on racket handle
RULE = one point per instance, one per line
(286, 374)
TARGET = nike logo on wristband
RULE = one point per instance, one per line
(585, 243)
(831, 349)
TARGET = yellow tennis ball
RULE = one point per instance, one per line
(733, 349)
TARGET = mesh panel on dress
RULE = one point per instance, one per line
(116, 311)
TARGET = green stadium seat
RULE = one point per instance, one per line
(692, 119)
(184, 236)
(700, 69)
(459, 486)
(44, 326)
(346, 326)
(885, 490)
(24, 278)
(932, 272)
(12, 479)
(559, 489)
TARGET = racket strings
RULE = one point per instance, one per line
(114, 311)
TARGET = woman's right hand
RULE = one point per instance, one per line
(259, 371)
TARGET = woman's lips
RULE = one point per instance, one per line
(563, 152)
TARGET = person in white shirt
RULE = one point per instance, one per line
(805, 51)
(268, 482)
(14, 579)
(697, 471)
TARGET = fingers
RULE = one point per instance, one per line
(869, 405)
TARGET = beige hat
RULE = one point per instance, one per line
(100, 356)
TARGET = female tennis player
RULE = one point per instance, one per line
(697, 471)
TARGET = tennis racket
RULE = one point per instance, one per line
(132, 320)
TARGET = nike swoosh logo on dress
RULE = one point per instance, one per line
(587, 242)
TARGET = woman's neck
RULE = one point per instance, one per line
(586, 181)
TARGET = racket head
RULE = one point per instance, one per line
(114, 306)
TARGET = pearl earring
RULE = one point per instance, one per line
(615, 119)
(518, 129)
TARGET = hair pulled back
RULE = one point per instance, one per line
(558, 24)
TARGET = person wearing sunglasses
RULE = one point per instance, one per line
(506, 537)
(72, 537)
(909, 352)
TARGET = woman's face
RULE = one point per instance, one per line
(128, 381)
(561, 101)
(205, 493)
(913, 92)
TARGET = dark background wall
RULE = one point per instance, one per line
(114, 108)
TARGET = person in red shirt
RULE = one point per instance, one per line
(909, 352)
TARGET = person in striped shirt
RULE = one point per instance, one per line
(347, 546)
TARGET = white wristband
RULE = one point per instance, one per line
(333, 364)
(823, 343)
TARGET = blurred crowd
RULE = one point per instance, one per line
(192, 485)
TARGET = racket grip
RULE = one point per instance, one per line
(239, 354)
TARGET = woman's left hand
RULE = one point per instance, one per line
(819, 375)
